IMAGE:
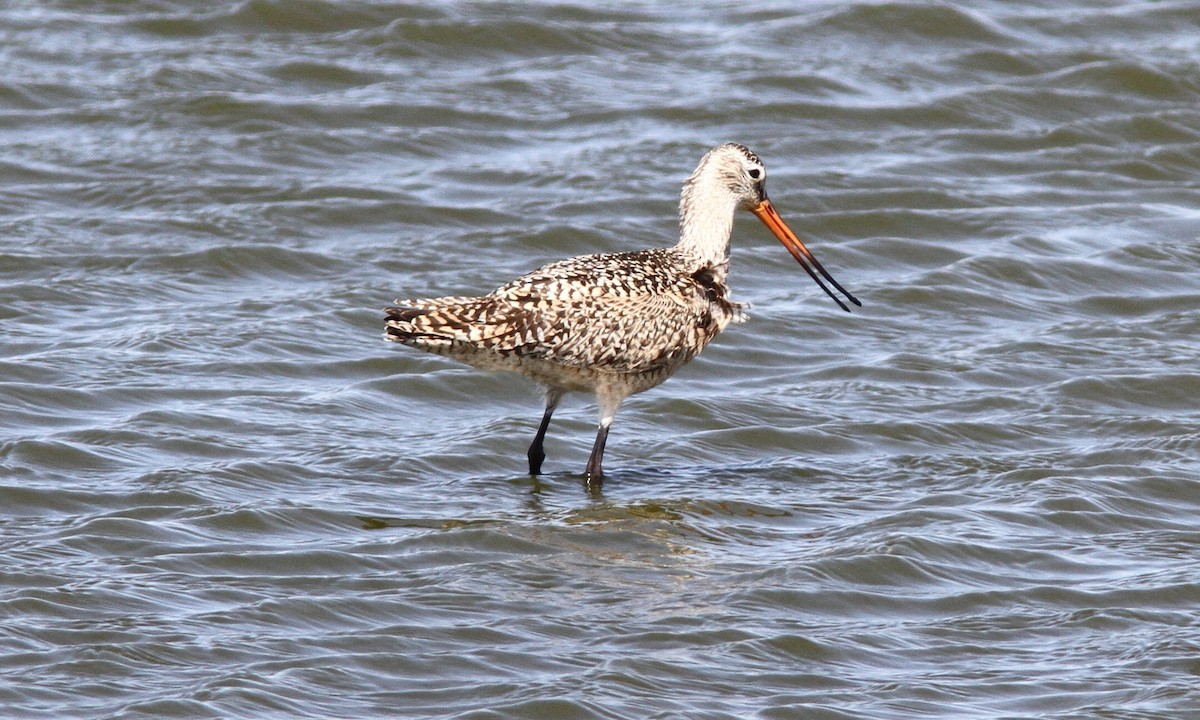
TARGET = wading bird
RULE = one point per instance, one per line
(612, 324)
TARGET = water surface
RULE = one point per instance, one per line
(224, 495)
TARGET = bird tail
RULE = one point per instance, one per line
(479, 331)
(439, 322)
(428, 324)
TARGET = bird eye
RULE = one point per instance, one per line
(755, 173)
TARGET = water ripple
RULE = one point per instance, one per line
(225, 496)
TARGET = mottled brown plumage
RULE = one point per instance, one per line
(612, 324)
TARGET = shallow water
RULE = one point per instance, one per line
(224, 495)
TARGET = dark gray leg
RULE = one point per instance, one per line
(610, 398)
(536, 454)
(595, 473)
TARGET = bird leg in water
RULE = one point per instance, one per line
(610, 398)
(536, 453)
(595, 474)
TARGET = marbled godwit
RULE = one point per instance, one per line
(613, 324)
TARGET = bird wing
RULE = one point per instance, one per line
(618, 312)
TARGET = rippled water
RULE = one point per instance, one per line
(224, 495)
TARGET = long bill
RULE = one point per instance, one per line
(766, 212)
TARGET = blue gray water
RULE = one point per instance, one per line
(222, 494)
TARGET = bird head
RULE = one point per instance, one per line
(733, 173)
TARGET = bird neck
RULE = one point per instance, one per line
(706, 210)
